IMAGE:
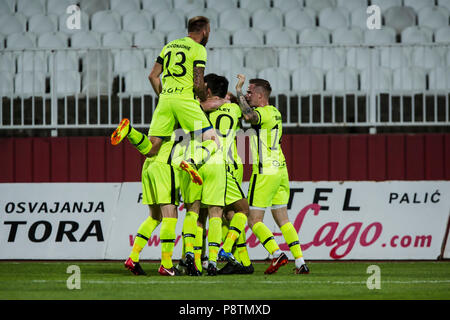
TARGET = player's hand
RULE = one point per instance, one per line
(241, 80)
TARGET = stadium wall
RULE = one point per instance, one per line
(319, 157)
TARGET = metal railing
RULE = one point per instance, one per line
(313, 86)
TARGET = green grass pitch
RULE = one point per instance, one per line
(327, 280)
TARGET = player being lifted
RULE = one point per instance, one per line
(269, 183)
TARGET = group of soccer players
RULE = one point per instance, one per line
(191, 150)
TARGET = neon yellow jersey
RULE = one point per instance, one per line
(178, 58)
(266, 142)
(226, 121)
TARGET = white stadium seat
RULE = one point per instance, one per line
(7, 63)
(123, 7)
(221, 5)
(317, 35)
(287, 5)
(442, 34)
(358, 18)
(409, 79)
(319, 5)
(52, 40)
(427, 57)
(64, 60)
(136, 82)
(225, 59)
(85, 39)
(379, 79)
(12, 23)
(188, 5)
(341, 79)
(307, 79)
(400, 18)
(84, 23)
(30, 7)
(7, 7)
(417, 34)
(327, 58)
(267, 19)
(418, 4)
(281, 37)
(105, 21)
(147, 38)
(176, 18)
(41, 23)
(384, 35)
(67, 83)
(294, 58)
(345, 35)
(352, 4)
(220, 38)
(6, 84)
(279, 79)
(176, 34)
(434, 17)
(394, 57)
(117, 39)
(22, 40)
(301, 18)
(253, 5)
(58, 7)
(332, 18)
(248, 37)
(29, 61)
(125, 60)
(444, 3)
(155, 6)
(234, 19)
(96, 82)
(135, 21)
(439, 78)
(90, 7)
(386, 4)
(359, 58)
(29, 84)
(258, 59)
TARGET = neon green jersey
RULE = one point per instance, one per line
(178, 58)
(226, 121)
(266, 142)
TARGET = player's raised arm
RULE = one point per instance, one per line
(248, 113)
(199, 83)
(155, 81)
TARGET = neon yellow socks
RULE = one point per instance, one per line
(237, 225)
(140, 141)
(189, 231)
(143, 234)
(214, 237)
(167, 235)
(241, 248)
(291, 237)
(265, 236)
(198, 246)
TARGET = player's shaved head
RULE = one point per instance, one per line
(263, 85)
(217, 84)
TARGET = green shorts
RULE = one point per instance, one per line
(219, 186)
(187, 112)
(266, 190)
(160, 183)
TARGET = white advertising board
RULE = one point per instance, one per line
(334, 220)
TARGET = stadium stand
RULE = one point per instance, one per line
(316, 46)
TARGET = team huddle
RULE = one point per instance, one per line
(191, 152)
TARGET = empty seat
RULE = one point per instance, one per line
(221, 5)
(287, 5)
(409, 78)
(378, 79)
(417, 34)
(225, 59)
(7, 7)
(67, 83)
(358, 18)
(136, 82)
(315, 35)
(344, 35)
(64, 60)
(29, 61)
(439, 79)
(342, 79)
(232, 73)
(301, 18)
(147, 39)
(97, 82)
(234, 19)
(327, 58)
(30, 7)
(427, 57)
(395, 57)
(258, 59)
(58, 7)
(28, 84)
(150, 57)
(384, 35)
(64, 27)
(359, 58)
(281, 37)
(52, 40)
(248, 37)
(434, 17)
(96, 60)
(136, 21)
(279, 79)
(351, 5)
(400, 18)
(444, 3)
(85, 39)
(105, 21)
(267, 19)
(319, 5)
(188, 5)
(22, 40)
(293, 58)
(90, 7)
(332, 18)
(155, 6)
(176, 34)
(307, 80)
(12, 23)
(220, 38)
(176, 18)
(41, 23)
(7, 63)
(253, 5)
(125, 60)
(442, 35)
(123, 7)
(386, 4)
(6, 84)
(117, 39)
(418, 4)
